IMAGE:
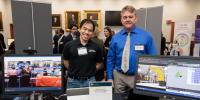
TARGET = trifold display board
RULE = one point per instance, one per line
(169, 77)
(150, 19)
(32, 26)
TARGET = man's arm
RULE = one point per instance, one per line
(111, 60)
(66, 64)
(99, 56)
(99, 65)
(66, 55)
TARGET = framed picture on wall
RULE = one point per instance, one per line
(11, 31)
(94, 15)
(1, 22)
(56, 21)
(71, 18)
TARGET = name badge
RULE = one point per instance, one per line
(82, 51)
(139, 47)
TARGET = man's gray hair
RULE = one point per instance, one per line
(128, 8)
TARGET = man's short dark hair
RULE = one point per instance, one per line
(73, 25)
(87, 21)
(61, 31)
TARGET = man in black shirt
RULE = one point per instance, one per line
(82, 57)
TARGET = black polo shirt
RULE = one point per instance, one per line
(82, 59)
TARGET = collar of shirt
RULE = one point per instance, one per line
(133, 31)
(73, 36)
(60, 39)
(79, 42)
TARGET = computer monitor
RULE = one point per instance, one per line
(168, 77)
(32, 73)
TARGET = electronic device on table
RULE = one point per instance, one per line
(26, 74)
(168, 77)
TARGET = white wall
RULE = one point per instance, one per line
(179, 11)
(60, 6)
(175, 10)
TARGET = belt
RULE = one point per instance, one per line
(120, 71)
(80, 77)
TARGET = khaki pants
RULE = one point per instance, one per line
(123, 83)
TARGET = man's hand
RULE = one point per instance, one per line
(98, 65)
(66, 64)
(110, 80)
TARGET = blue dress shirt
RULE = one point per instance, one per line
(138, 38)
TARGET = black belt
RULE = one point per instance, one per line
(79, 77)
(125, 73)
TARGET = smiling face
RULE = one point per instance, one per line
(86, 32)
(128, 19)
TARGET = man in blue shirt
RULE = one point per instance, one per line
(140, 42)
